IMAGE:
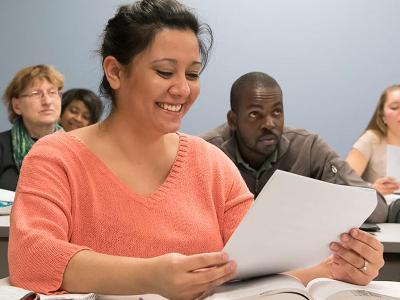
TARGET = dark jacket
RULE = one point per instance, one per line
(299, 152)
(8, 170)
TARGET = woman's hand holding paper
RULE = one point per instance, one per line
(357, 258)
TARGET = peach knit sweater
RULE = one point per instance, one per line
(68, 200)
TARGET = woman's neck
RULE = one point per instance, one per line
(38, 131)
(393, 138)
(133, 139)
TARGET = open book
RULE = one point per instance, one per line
(272, 287)
(288, 287)
(8, 292)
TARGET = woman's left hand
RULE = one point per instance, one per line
(357, 258)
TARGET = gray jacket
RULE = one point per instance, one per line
(302, 153)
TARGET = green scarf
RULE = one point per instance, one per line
(22, 142)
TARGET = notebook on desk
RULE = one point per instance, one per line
(6, 201)
(292, 222)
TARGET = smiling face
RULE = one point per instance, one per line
(39, 103)
(75, 115)
(161, 83)
(258, 122)
(391, 112)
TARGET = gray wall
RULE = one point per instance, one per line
(332, 58)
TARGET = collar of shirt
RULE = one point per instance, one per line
(264, 167)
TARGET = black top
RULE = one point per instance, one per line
(8, 170)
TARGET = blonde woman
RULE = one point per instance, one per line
(34, 105)
(368, 155)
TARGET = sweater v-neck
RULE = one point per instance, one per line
(158, 194)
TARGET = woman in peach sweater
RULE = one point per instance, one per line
(107, 208)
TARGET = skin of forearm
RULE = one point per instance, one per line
(88, 271)
(310, 273)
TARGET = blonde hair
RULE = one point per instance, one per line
(24, 78)
(377, 124)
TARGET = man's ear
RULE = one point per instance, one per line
(232, 120)
(16, 106)
(112, 70)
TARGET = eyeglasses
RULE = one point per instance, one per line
(38, 95)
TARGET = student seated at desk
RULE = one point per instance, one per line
(119, 207)
(33, 102)
(256, 140)
(80, 108)
(368, 155)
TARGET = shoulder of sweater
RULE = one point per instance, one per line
(202, 149)
(57, 139)
(202, 145)
(371, 136)
(57, 144)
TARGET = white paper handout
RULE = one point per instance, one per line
(393, 162)
(292, 222)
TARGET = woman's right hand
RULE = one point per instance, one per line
(386, 185)
(178, 276)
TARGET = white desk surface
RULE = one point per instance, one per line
(389, 236)
(4, 225)
(391, 197)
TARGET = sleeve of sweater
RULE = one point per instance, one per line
(238, 203)
(238, 198)
(365, 143)
(39, 247)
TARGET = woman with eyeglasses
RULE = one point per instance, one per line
(34, 103)
(80, 108)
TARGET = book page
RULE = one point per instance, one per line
(292, 222)
(15, 293)
(259, 288)
(359, 294)
(12, 292)
(393, 162)
(323, 288)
